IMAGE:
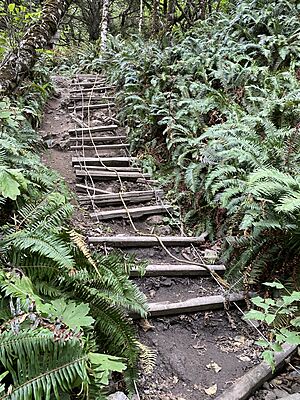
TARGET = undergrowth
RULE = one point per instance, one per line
(218, 109)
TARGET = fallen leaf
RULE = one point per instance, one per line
(213, 365)
(244, 358)
(212, 390)
(145, 325)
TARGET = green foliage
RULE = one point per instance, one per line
(220, 105)
(281, 315)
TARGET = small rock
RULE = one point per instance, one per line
(163, 230)
(269, 395)
(155, 220)
(95, 122)
(280, 393)
(118, 396)
(167, 282)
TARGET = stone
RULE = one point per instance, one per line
(295, 396)
(95, 122)
(117, 396)
(280, 393)
(155, 220)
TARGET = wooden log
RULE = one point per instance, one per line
(97, 168)
(106, 139)
(255, 378)
(100, 106)
(89, 97)
(101, 147)
(90, 189)
(109, 161)
(136, 212)
(93, 84)
(100, 128)
(179, 270)
(128, 197)
(103, 175)
(192, 305)
(145, 241)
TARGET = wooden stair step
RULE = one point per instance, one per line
(108, 161)
(179, 270)
(145, 241)
(102, 175)
(101, 147)
(97, 138)
(90, 97)
(105, 168)
(195, 304)
(95, 85)
(128, 197)
(100, 128)
(100, 106)
(136, 212)
(86, 188)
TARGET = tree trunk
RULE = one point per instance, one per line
(18, 63)
(155, 16)
(104, 27)
(141, 18)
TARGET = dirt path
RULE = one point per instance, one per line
(199, 353)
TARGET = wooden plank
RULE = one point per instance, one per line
(100, 128)
(145, 241)
(90, 189)
(97, 138)
(97, 168)
(102, 175)
(109, 161)
(128, 197)
(257, 376)
(101, 147)
(101, 106)
(195, 304)
(93, 84)
(179, 270)
(136, 212)
(90, 97)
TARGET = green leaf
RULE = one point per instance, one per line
(254, 314)
(270, 318)
(73, 315)
(11, 7)
(296, 322)
(276, 285)
(268, 356)
(10, 182)
(104, 364)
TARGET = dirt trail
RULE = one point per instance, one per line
(199, 354)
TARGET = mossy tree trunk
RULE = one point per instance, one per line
(18, 63)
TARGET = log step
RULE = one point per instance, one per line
(101, 147)
(100, 128)
(179, 270)
(91, 189)
(90, 97)
(136, 212)
(106, 168)
(192, 305)
(100, 106)
(145, 241)
(115, 198)
(97, 138)
(108, 161)
(102, 175)
(93, 85)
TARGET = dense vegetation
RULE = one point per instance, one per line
(210, 91)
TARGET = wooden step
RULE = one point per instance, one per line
(100, 128)
(192, 305)
(89, 97)
(106, 168)
(95, 139)
(102, 175)
(109, 161)
(95, 85)
(128, 197)
(100, 106)
(179, 270)
(101, 147)
(136, 212)
(90, 189)
(145, 241)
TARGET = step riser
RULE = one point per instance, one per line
(134, 212)
(113, 161)
(94, 129)
(92, 107)
(179, 270)
(97, 139)
(103, 147)
(144, 241)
